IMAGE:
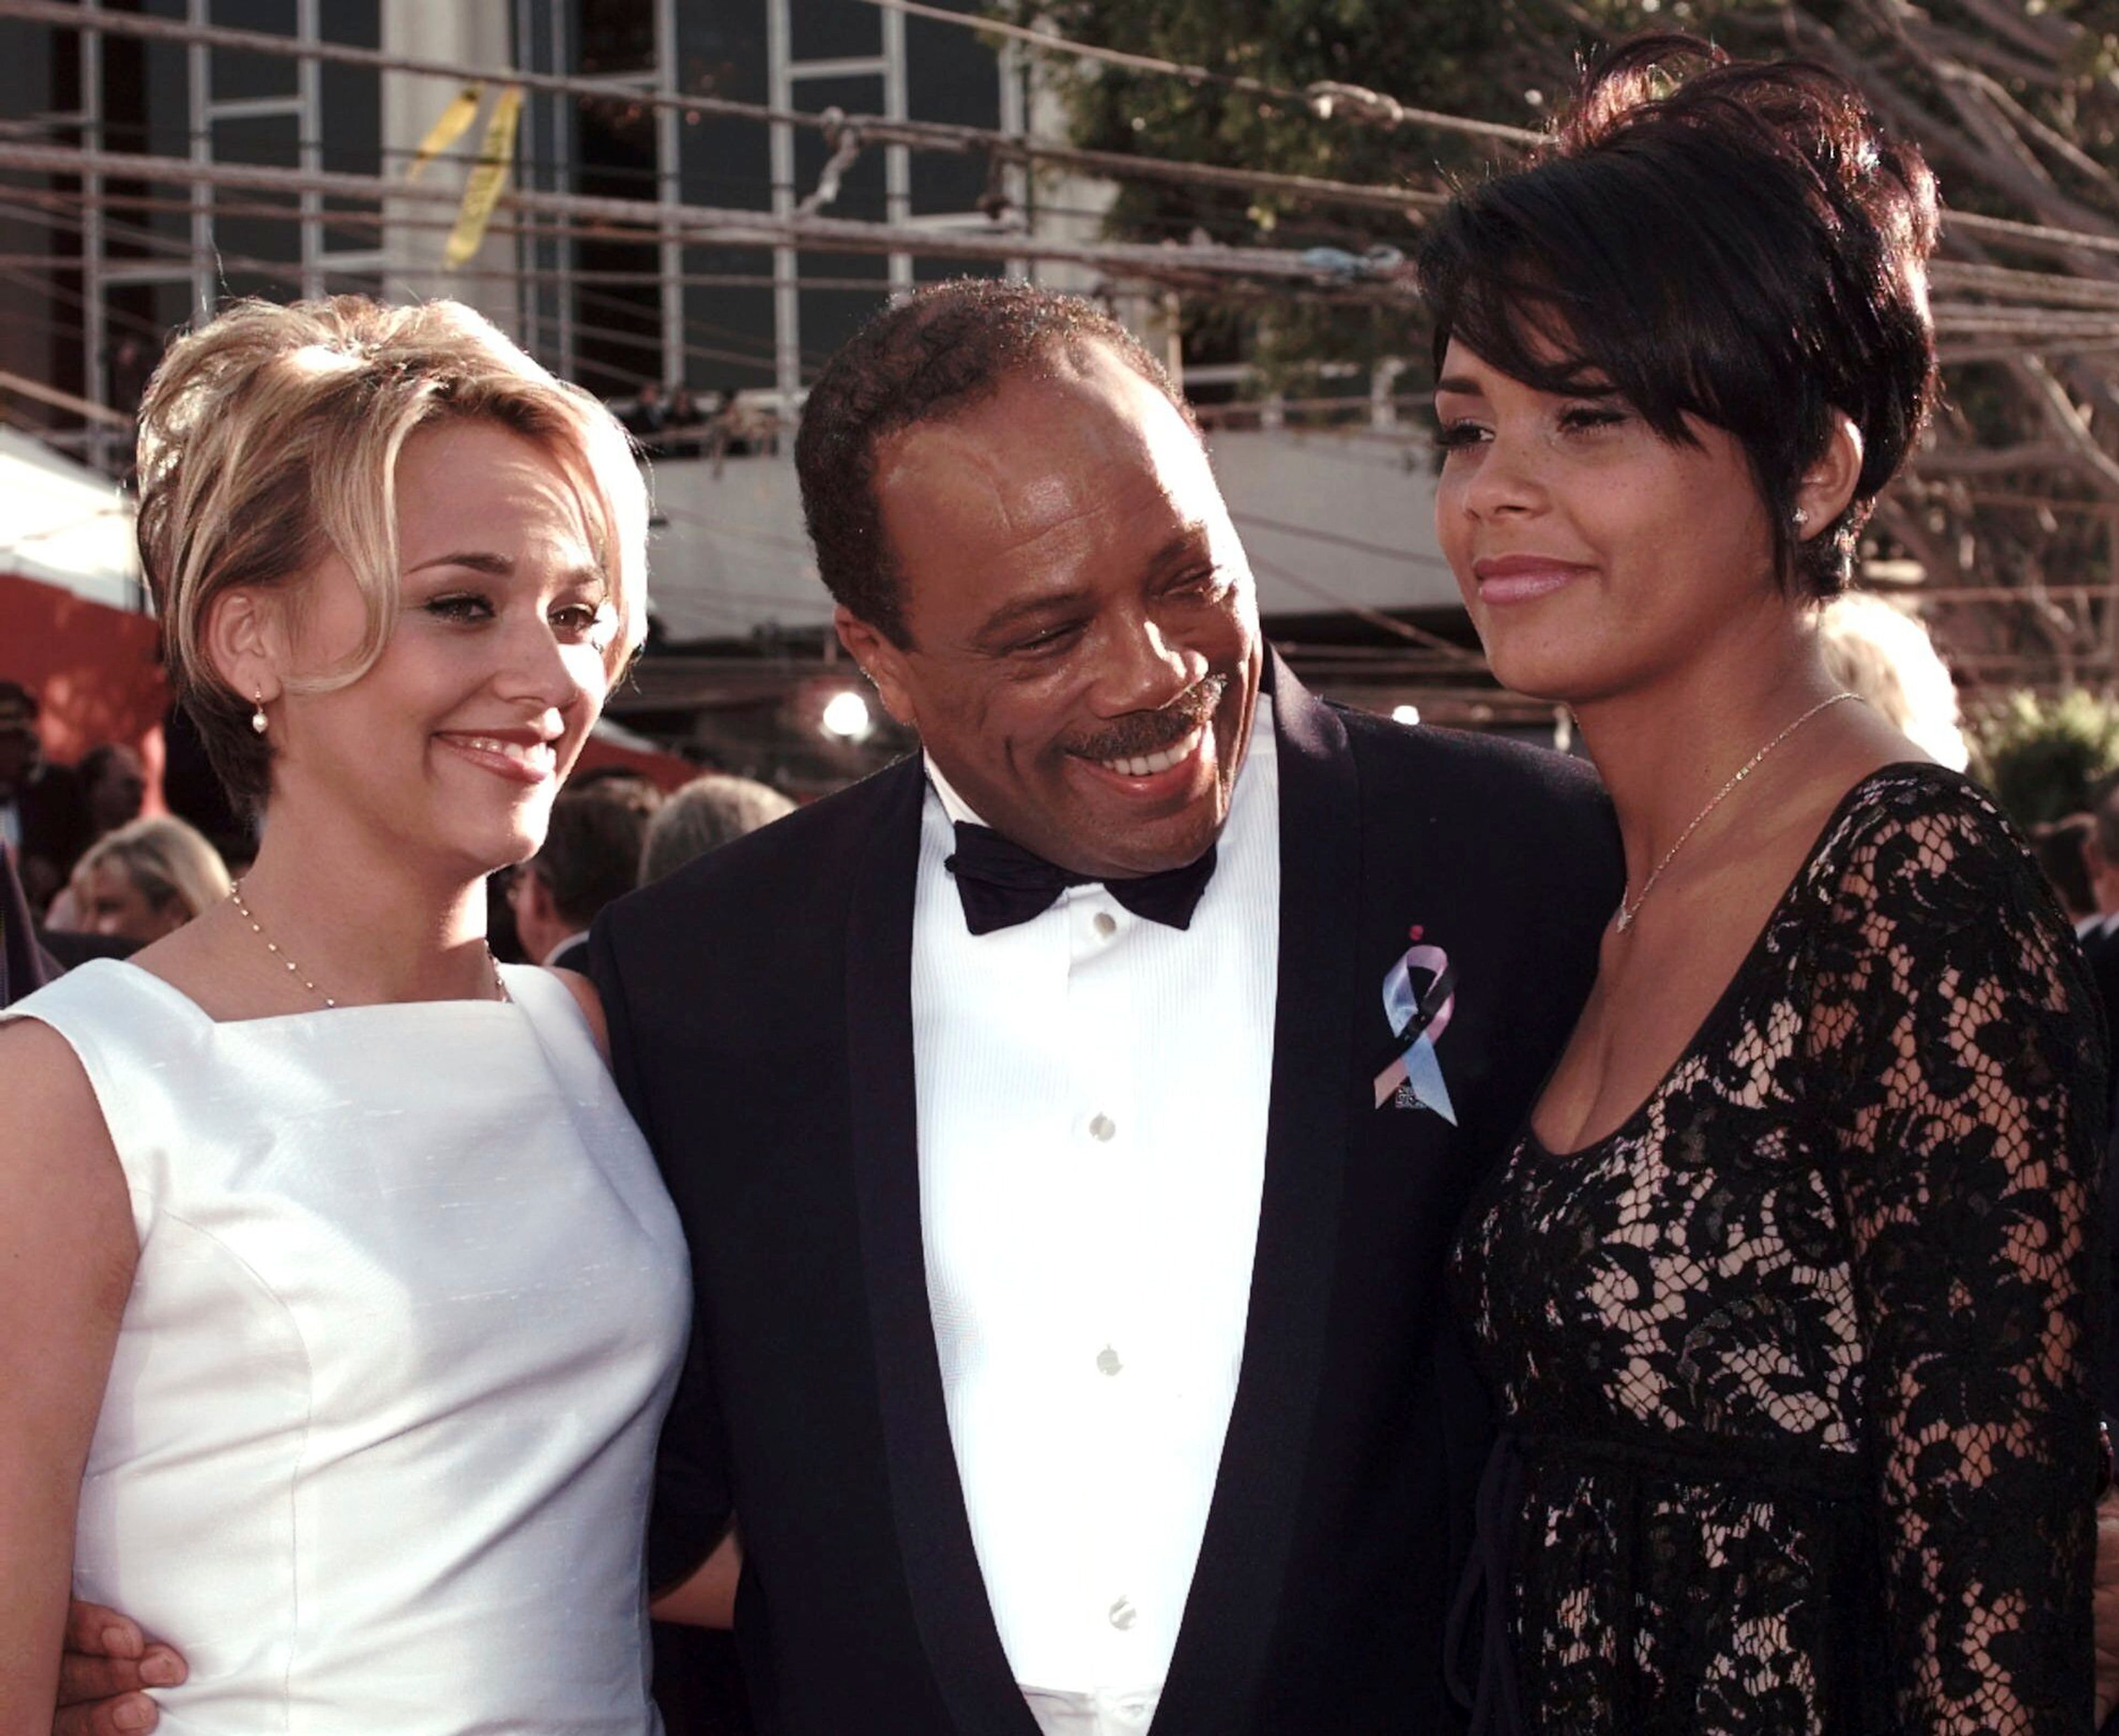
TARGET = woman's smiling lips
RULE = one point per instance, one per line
(1523, 579)
(525, 755)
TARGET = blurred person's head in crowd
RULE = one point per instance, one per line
(710, 811)
(591, 855)
(2063, 847)
(1885, 655)
(1013, 510)
(619, 783)
(43, 818)
(113, 782)
(147, 879)
(398, 564)
(20, 748)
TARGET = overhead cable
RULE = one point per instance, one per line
(875, 129)
(1179, 263)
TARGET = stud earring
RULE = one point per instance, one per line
(257, 720)
(1799, 518)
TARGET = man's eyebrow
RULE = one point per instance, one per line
(1188, 543)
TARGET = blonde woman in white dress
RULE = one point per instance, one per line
(340, 1301)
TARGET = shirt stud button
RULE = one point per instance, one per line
(1123, 1614)
(1105, 923)
(1102, 1127)
(1107, 1361)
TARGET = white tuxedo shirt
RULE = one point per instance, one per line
(1091, 1095)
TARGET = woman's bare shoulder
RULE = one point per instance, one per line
(58, 1167)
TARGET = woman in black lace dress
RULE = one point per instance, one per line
(1785, 1294)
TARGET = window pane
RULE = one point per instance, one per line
(830, 29)
(237, 76)
(950, 74)
(350, 137)
(613, 36)
(728, 319)
(245, 220)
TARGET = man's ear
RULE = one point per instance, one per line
(1829, 483)
(882, 662)
(246, 641)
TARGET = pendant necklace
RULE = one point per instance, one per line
(1628, 910)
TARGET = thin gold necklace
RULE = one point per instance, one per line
(1628, 912)
(257, 928)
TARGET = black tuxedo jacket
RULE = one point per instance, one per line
(760, 1012)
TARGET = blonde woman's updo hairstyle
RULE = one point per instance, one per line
(270, 437)
(1733, 240)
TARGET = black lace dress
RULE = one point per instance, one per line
(1795, 1367)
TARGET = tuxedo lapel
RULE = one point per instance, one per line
(949, 1597)
(1229, 1617)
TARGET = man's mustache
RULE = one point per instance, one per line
(1144, 733)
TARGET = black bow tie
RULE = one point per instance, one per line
(1002, 884)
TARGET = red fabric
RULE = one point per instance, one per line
(93, 669)
(666, 771)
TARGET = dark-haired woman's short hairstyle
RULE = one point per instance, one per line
(1731, 240)
(933, 356)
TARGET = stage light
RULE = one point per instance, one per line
(1405, 714)
(846, 716)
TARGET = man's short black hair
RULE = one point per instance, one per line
(591, 853)
(933, 356)
(1734, 240)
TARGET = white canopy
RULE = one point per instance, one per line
(64, 524)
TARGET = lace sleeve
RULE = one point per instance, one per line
(1965, 1052)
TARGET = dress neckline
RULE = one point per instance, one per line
(1827, 834)
(176, 997)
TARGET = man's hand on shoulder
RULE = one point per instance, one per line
(108, 1664)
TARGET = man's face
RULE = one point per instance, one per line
(1085, 652)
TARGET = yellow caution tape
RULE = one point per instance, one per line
(482, 190)
(455, 122)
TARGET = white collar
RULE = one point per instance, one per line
(962, 812)
(582, 934)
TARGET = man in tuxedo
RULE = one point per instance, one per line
(1070, 1122)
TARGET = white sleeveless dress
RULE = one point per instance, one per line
(376, 1450)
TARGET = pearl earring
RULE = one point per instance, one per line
(257, 721)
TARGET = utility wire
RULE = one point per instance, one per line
(873, 129)
(1321, 268)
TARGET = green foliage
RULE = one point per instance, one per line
(2040, 756)
(1510, 60)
